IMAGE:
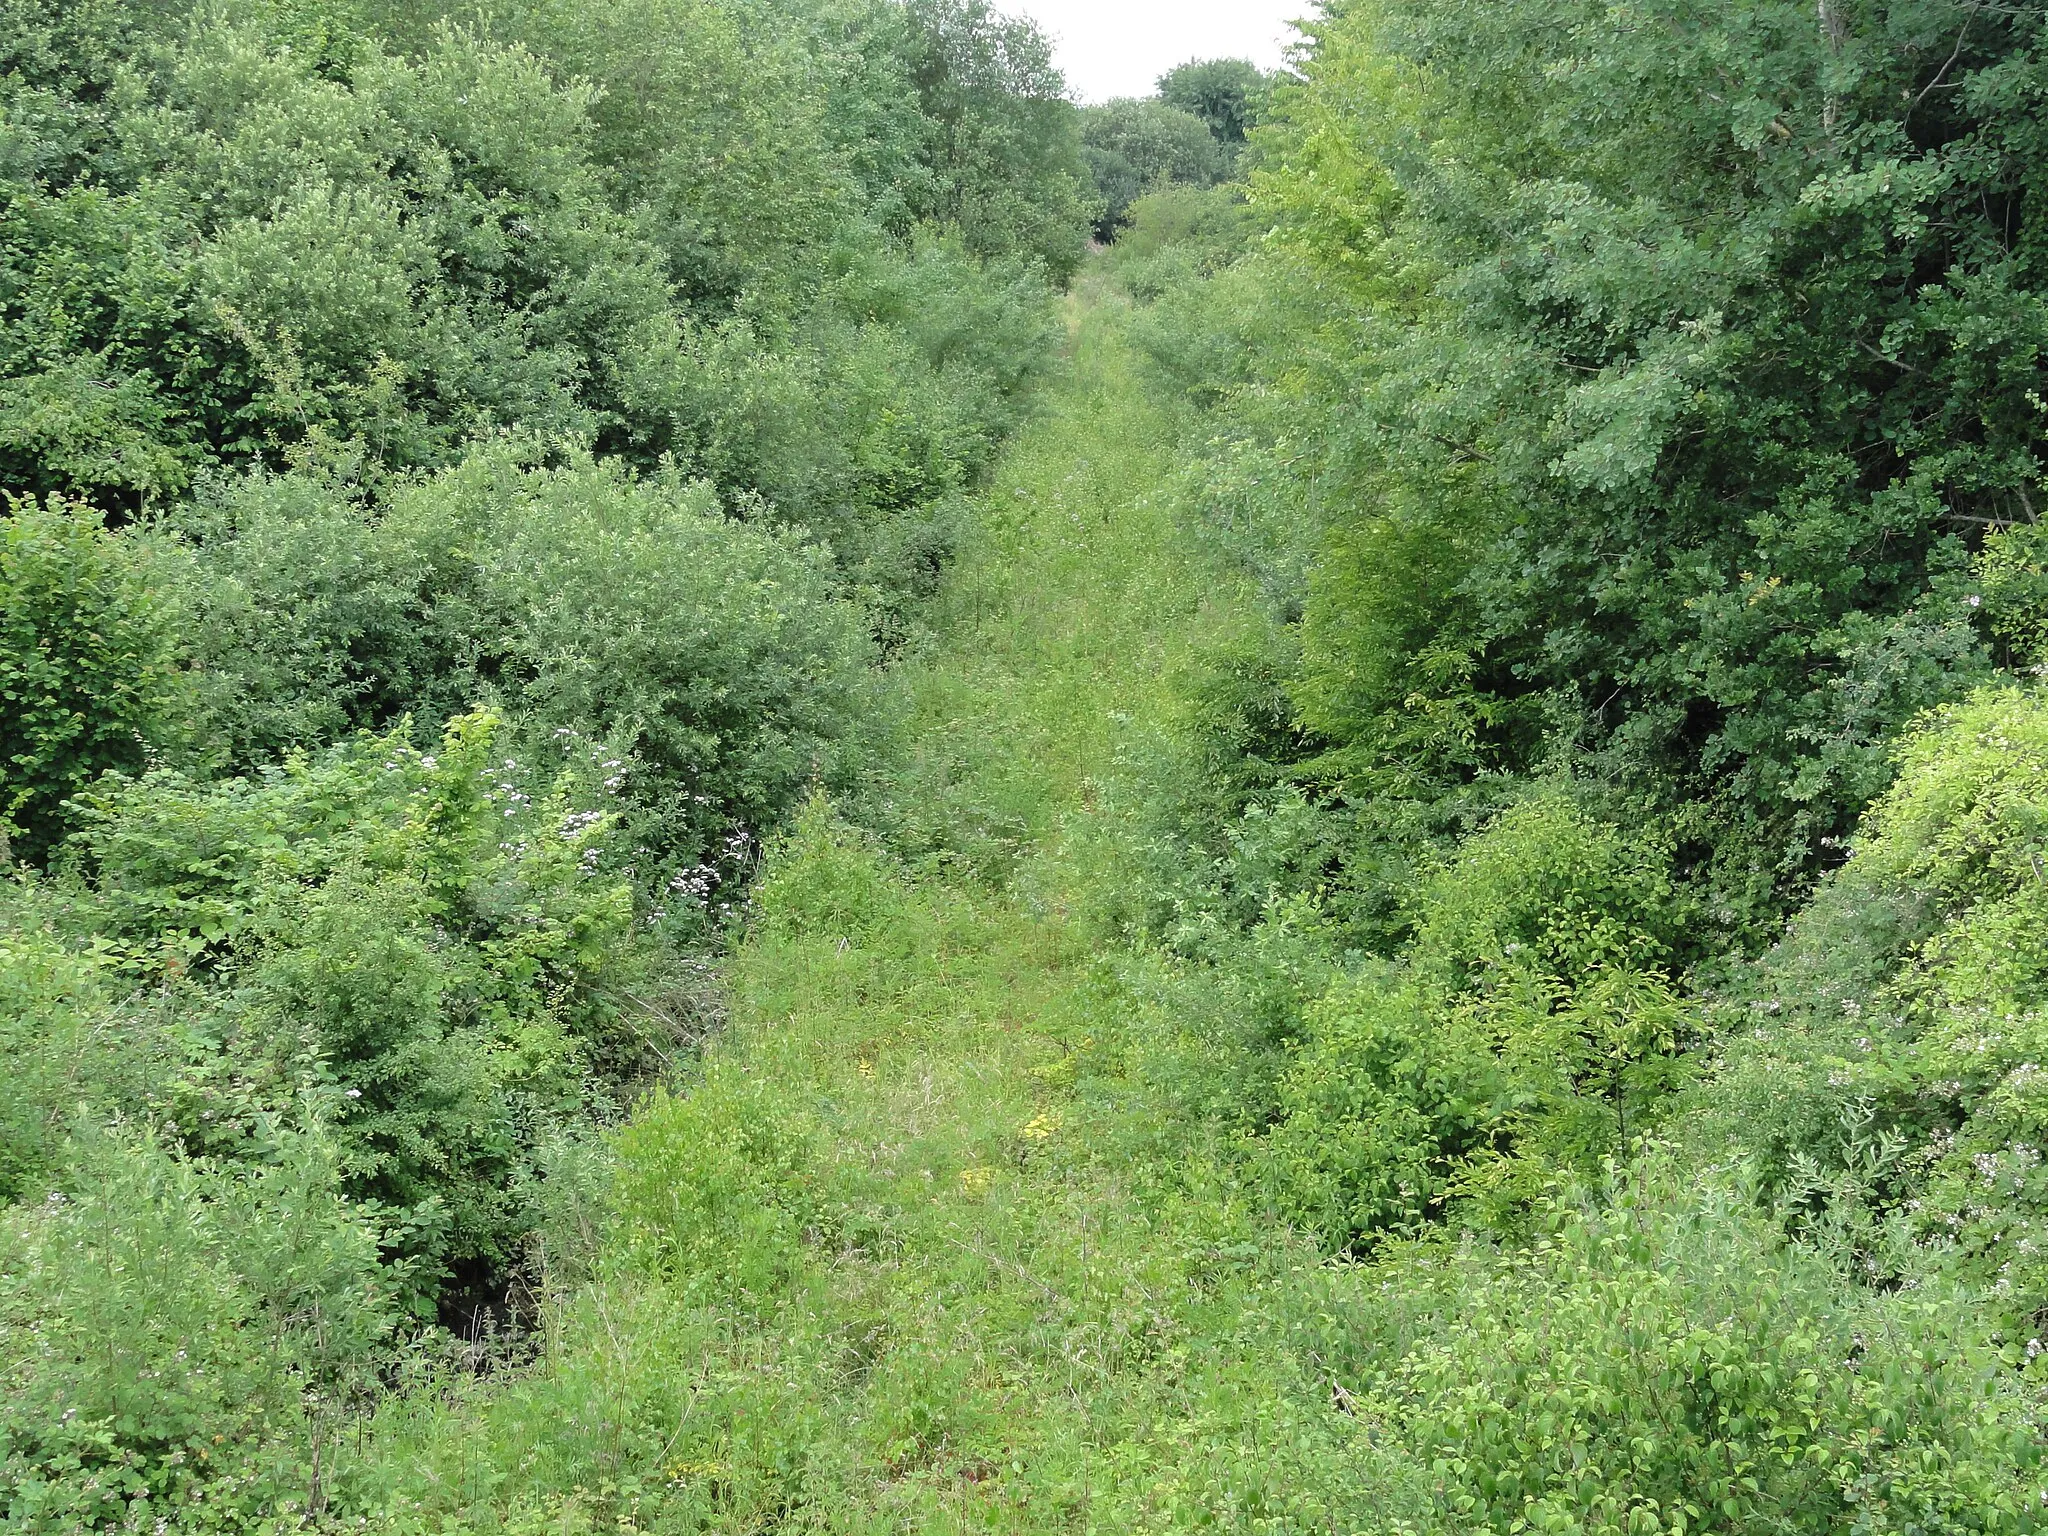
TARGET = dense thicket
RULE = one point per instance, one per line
(278, 246)
(462, 470)
(1679, 364)
(1631, 413)
(1638, 406)
(465, 472)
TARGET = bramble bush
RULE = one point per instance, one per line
(430, 935)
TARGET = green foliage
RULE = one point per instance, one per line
(88, 677)
(1895, 1035)
(51, 1002)
(311, 614)
(1384, 1107)
(715, 657)
(430, 935)
(1003, 140)
(182, 1339)
(1657, 1364)
(954, 1227)
(1189, 135)
(872, 417)
(74, 425)
(1134, 146)
(1230, 96)
(1174, 238)
(305, 225)
(1535, 1031)
(707, 665)
(1248, 883)
(464, 471)
(1545, 890)
(2013, 592)
(1586, 418)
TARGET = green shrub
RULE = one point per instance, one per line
(310, 613)
(530, 423)
(1384, 1107)
(1545, 890)
(1659, 1362)
(714, 657)
(429, 935)
(1580, 423)
(1173, 243)
(711, 1189)
(369, 236)
(182, 1341)
(88, 678)
(74, 427)
(2012, 580)
(1903, 1014)
(694, 670)
(52, 1008)
(825, 878)
(1532, 1031)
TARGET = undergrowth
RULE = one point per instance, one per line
(960, 1225)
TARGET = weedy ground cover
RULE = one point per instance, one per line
(917, 1247)
(869, 1268)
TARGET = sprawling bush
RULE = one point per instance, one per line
(293, 227)
(430, 935)
(88, 675)
(1886, 1052)
(1657, 1363)
(184, 1340)
(463, 469)
(1630, 419)
(1533, 1031)
(703, 665)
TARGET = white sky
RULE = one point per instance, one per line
(1120, 47)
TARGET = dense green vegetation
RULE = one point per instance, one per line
(708, 833)
(1191, 134)
(463, 472)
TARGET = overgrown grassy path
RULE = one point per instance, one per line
(886, 1275)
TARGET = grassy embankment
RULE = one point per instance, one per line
(874, 1268)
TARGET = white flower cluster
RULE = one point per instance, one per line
(508, 790)
(579, 822)
(695, 884)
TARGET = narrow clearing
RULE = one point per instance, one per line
(912, 1286)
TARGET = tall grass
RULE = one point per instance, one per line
(899, 1254)
(865, 1270)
